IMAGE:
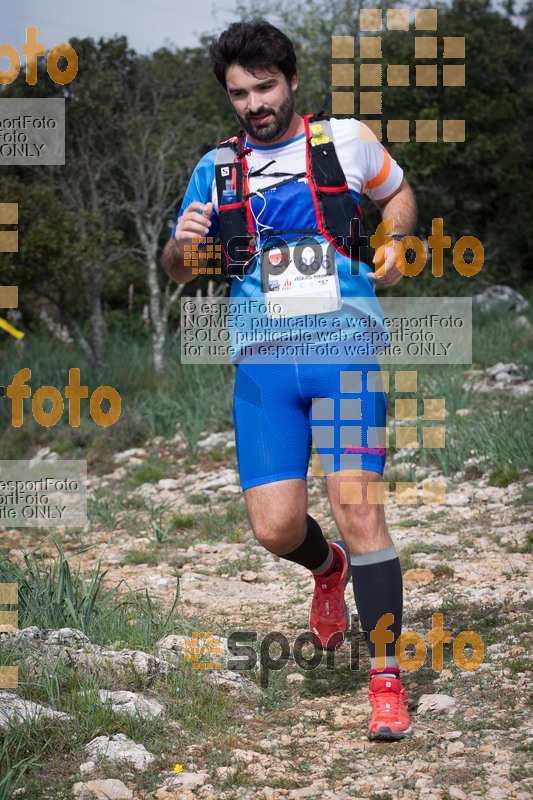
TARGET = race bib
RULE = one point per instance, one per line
(300, 279)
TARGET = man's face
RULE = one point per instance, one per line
(263, 103)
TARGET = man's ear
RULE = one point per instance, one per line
(294, 82)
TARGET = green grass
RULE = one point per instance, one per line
(103, 509)
(229, 524)
(526, 547)
(15, 762)
(150, 472)
(498, 338)
(56, 748)
(503, 476)
(199, 396)
(52, 595)
(135, 557)
(249, 561)
(406, 554)
(183, 522)
(526, 497)
(443, 571)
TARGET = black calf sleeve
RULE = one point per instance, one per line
(313, 550)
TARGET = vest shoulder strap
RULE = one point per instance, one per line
(338, 212)
(236, 224)
(228, 165)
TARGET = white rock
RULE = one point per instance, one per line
(144, 663)
(133, 452)
(295, 677)
(306, 791)
(132, 703)
(223, 477)
(233, 682)
(23, 635)
(226, 772)
(457, 499)
(435, 702)
(65, 636)
(498, 294)
(507, 373)
(454, 748)
(168, 483)
(43, 454)
(87, 767)
(216, 440)
(186, 780)
(456, 793)
(522, 389)
(174, 648)
(117, 748)
(523, 322)
(14, 707)
(110, 789)
(249, 576)
(231, 488)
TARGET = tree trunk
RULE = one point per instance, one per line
(98, 333)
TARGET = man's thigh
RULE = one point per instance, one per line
(272, 434)
(347, 411)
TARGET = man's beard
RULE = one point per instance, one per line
(281, 119)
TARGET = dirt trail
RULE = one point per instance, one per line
(473, 566)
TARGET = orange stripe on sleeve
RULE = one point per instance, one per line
(382, 175)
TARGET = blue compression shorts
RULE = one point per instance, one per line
(280, 409)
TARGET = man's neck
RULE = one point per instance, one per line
(295, 128)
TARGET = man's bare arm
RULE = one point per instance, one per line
(191, 225)
(401, 208)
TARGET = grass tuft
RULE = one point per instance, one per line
(503, 476)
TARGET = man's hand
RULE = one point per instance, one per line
(386, 272)
(194, 225)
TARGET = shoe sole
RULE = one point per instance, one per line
(386, 735)
(316, 640)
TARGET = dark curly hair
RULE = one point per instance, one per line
(254, 45)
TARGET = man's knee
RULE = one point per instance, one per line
(279, 534)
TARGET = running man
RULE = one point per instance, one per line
(281, 408)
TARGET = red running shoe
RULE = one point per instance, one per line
(390, 719)
(329, 617)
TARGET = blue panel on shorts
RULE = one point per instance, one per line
(274, 416)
